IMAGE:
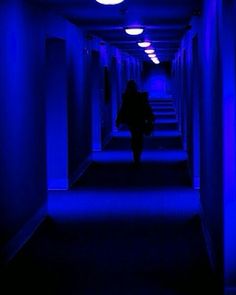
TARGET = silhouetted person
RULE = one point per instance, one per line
(136, 113)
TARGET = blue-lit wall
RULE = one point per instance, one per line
(216, 67)
(22, 118)
(46, 110)
(228, 47)
(107, 105)
(57, 113)
(114, 84)
(211, 130)
(76, 118)
(79, 115)
(187, 92)
(185, 61)
(90, 110)
(95, 95)
(106, 94)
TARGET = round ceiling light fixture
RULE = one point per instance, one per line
(152, 55)
(148, 51)
(134, 31)
(109, 2)
(155, 60)
(144, 44)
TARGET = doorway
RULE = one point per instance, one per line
(96, 94)
(56, 114)
(196, 94)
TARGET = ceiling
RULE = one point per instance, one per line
(164, 22)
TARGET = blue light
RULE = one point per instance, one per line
(83, 204)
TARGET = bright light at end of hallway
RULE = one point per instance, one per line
(109, 2)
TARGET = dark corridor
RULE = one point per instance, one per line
(76, 216)
(122, 229)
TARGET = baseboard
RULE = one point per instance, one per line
(107, 139)
(208, 241)
(58, 184)
(81, 169)
(13, 246)
(196, 182)
(115, 132)
(97, 148)
(230, 290)
(115, 129)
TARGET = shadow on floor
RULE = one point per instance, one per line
(127, 175)
(129, 256)
(121, 230)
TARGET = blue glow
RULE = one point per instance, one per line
(229, 143)
(22, 113)
(230, 240)
(57, 127)
(99, 204)
(157, 80)
(96, 102)
(79, 121)
(147, 156)
(166, 133)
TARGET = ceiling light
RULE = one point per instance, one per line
(152, 55)
(134, 31)
(149, 51)
(155, 60)
(144, 44)
(109, 2)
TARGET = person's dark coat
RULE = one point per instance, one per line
(135, 111)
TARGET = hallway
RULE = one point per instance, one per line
(76, 215)
(121, 229)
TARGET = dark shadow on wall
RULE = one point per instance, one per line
(106, 106)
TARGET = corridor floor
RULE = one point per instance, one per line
(120, 230)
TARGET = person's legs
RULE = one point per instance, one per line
(136, 144)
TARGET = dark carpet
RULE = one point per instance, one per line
(120, 230)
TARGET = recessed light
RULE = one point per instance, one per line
(109, 2)
(144, 44)
(152, 55)
(134, 31)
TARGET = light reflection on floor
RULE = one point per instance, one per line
(147, 156)
(88, 203)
